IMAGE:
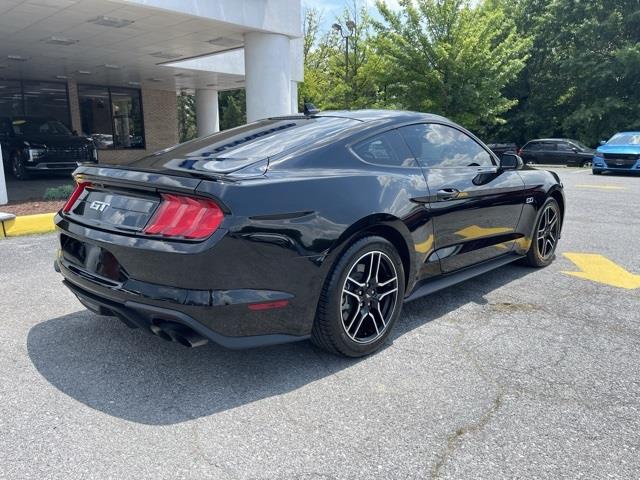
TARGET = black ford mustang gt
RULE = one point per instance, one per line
(317, 226)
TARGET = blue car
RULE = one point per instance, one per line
(620, 154)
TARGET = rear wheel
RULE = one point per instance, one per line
(361, 299)
(546, 235)
(586, 164)
(596, 172)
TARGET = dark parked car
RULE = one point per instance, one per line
(39, 145)
(500, 148)
(297, 227)
(557, 151)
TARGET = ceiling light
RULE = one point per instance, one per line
(223, 41)
(59, 41)
(111, 21)
(135, 84)
(17, 58)
(166, 55)
(111, 66)
(61, 77)
(84, 72)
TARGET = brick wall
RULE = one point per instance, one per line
(160, 123)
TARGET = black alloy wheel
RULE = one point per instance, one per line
(361, 300)
(18, 168)
(546, 235)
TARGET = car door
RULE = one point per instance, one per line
(531, 151)
(475, 205)
(548, 153)
(566, 154)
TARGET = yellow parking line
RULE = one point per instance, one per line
(599, 268)
(603, 187)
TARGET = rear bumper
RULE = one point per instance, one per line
(178, 306)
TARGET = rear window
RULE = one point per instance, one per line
(232, 149)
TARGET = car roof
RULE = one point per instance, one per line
(552, 140)
(374, 115)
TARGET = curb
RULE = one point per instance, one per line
(12, 226)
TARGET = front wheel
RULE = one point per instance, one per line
(18, 167)
(545, 236)
(596, 172)
(361, 299)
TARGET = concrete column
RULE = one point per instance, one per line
(294, 97)
(74, 106)
(3, 186)
(207, 118)
(267, 67)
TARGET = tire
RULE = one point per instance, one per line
(357, 323)
(586, 164)
(596, 172)
(542, 252)
(17, 167)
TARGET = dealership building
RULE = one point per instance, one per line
(112, 69)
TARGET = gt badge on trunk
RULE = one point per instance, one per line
(98, 205)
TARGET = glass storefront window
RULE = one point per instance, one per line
(112, 116)
(46, 100)
(10, 98)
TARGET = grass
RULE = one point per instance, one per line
(58, 193)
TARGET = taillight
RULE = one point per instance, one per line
(80, 187)
(519, 152)
(185, 217)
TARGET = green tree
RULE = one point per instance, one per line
(583, 77)
(451, 58)
(232, 106)
(328, 82)
(186, 117)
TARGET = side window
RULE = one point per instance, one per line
(565, 146)
(549, 146)
(387, 148)
(438, 146)
(533, 146)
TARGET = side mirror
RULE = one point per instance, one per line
(575, 150)
(510, 161)
(603, 142)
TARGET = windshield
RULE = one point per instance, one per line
(39, 126)
(625, 139)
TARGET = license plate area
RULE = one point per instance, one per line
(115, 209)
(91, 261)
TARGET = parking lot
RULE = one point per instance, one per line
(520, 373)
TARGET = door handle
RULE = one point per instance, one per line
(447, 194)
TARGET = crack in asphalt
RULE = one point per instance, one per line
(455, 439)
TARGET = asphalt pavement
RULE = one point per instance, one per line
(520, 373)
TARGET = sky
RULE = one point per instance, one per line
(330, 9)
